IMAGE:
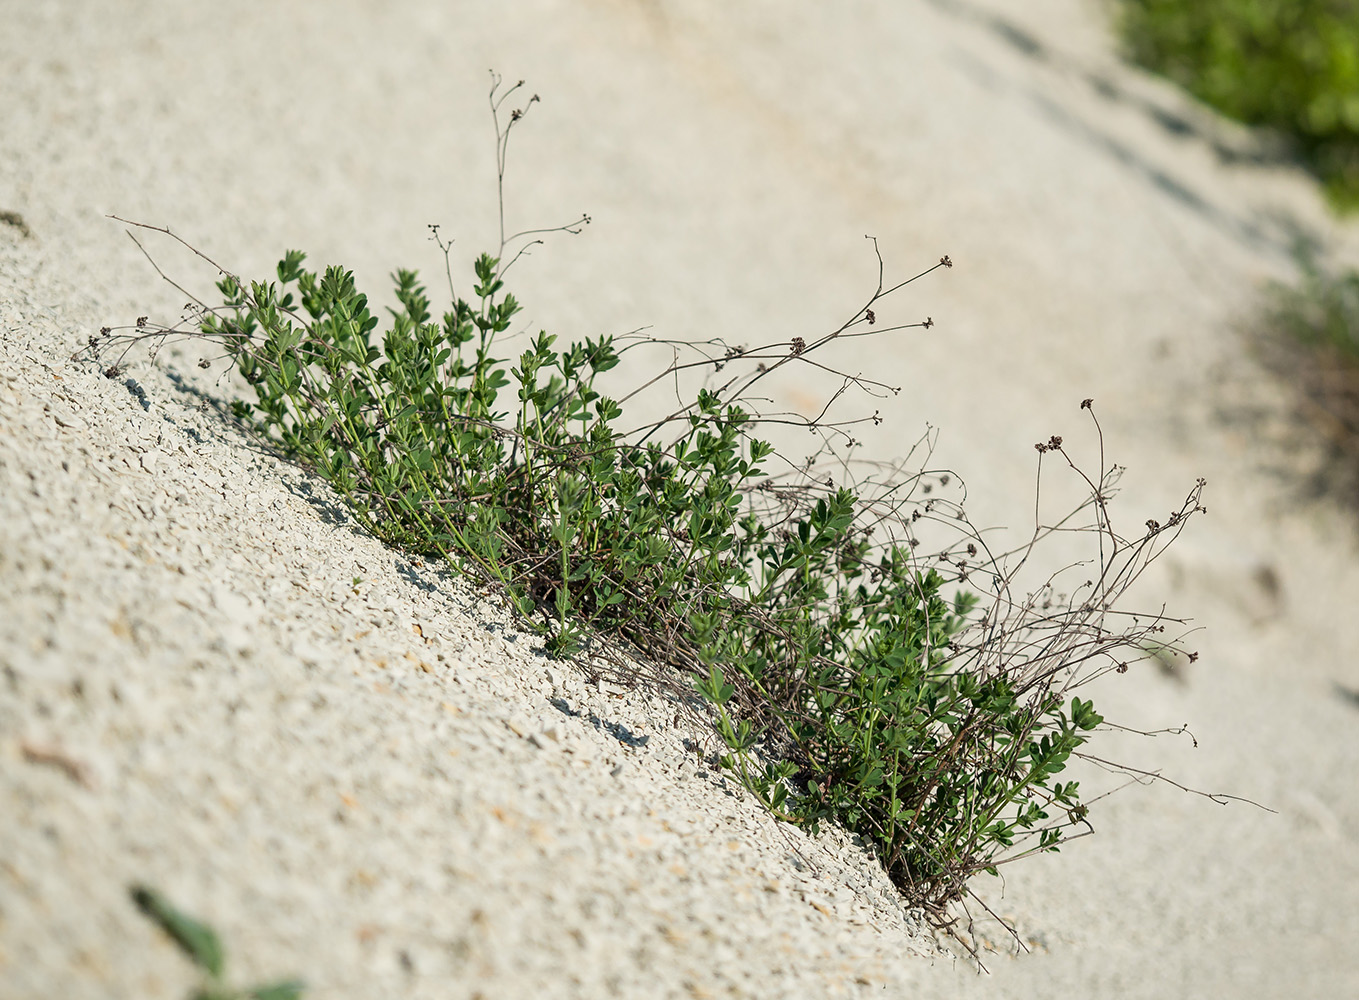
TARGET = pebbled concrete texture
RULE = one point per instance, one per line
(359, 770)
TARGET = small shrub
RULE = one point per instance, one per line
(1289, 64)
(809, 614)
(1309, 336)
(1323, 310)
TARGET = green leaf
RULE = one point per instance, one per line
(714, 687)
(288, 990)
(197, 940)
(1083, 714)
(290, 267)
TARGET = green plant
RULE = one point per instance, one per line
(204, 948)
(807, 615)
(1289, 64)
(1323, 310)
(1309, 336)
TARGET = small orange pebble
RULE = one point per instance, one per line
(121, 627)
(76, 770)
(418, 662)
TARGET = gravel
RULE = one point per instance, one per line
(361, 772)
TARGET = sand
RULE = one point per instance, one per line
(361, 772)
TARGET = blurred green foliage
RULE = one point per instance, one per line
(1289, 64)
(1320, 315)
(1323, 311)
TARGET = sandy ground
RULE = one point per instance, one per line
(1110, 239)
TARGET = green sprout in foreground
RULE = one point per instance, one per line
(203, 947)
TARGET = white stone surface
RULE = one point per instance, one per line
(194, 692)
